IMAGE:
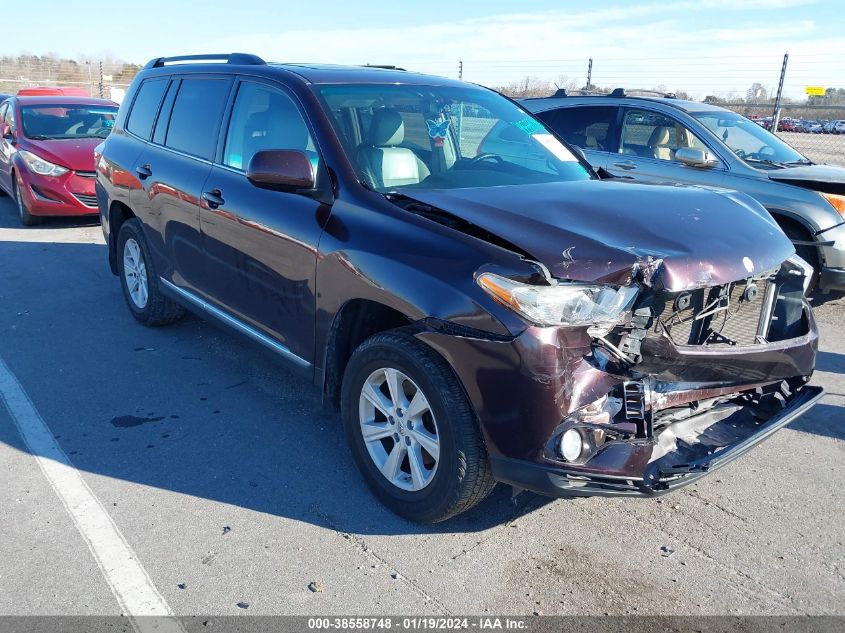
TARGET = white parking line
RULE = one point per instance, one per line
(126, 577)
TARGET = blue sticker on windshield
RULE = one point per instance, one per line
(529, 125)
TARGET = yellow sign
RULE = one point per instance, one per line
(815, 91)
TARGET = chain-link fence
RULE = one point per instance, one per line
(750, 85)
(96, 77)
(817, 131)
(814, 125)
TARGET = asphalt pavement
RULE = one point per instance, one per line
(233, 491)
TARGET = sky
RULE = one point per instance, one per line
(698, 46)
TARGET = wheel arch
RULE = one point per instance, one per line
(118, 214)
(787, 220)
(356, 321)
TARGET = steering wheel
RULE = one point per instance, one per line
(740, 153)
(486, 156)
(764, 153)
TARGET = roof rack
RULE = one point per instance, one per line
(384, 67)
(563, 92)
(622, 92)
(243, 59)
(616, 92)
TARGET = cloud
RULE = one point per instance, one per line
(642, 45)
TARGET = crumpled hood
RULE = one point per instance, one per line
(805, 174)
(75, 154)
(682, 237)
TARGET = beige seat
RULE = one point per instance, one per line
(658, 143)
(385, 162)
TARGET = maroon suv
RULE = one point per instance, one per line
(47, 153)
(479, 303)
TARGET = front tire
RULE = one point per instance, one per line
(139, 280)
(27, 219)
(412, 431)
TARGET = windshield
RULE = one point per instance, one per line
(62, 121)
(750, 141)
(443, 137)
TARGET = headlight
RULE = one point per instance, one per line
(40, 166)
(836, 201)
(572, 304)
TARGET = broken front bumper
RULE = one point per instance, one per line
(528, 390)
(657, 477)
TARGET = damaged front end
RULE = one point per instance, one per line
(686, 382)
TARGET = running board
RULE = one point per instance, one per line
(237, 324)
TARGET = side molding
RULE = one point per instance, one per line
(237, 324)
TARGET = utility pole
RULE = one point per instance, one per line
(590, 74)
(100, 85)
(461, 69)
(776, 113)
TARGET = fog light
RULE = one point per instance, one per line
(571, 445)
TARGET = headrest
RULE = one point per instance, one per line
(387, 128)
(660, 136)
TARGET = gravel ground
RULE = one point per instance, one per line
(233, 486)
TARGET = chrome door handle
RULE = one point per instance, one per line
(214, 198)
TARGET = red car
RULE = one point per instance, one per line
(47, 153)
(45, 91)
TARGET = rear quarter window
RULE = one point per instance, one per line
(144, 109)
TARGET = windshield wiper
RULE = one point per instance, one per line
(764, 161)
(803, 161)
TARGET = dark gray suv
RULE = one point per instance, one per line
(663, 139)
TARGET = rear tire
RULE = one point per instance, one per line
(139, 280)
(27, 219)
(441, 486)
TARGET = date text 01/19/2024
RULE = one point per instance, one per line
(426, 623)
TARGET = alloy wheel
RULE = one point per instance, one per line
(135, 273)
(399, 429)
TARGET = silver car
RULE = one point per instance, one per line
(663, 139)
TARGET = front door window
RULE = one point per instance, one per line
(653, 135)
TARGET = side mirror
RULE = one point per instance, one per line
(282, 169)
(6, 132)
(694, 157)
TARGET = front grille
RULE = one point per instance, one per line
(86, 199)
(722, 315)
(86, 174)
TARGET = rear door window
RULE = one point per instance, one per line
(145, 107)
(587, 127)
(195, 118)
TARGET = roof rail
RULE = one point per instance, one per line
(622, 92)
(578, 92)
(243, 59)
(384, 67)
